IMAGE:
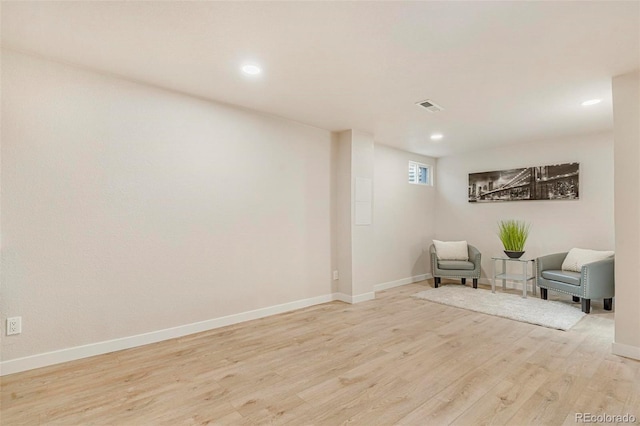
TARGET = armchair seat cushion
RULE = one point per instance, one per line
(567, 277)
(456, 265)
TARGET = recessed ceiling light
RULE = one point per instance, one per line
(436, 136)
(251, 69)
(591, 102)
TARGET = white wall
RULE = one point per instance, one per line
(404, 217)
(626, 109)
(128, 209)
(556, 225)
(342, 210)
(362, 236)
(392, 249)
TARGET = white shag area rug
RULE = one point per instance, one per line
(533, 310)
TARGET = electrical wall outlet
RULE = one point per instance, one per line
(14, 325)
(335, 275)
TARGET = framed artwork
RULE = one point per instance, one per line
(553, 182)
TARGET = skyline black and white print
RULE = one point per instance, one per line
(551, 182)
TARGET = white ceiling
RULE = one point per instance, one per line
(505, 72)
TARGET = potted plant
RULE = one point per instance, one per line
(513, 234)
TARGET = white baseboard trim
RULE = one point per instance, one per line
(403, 281)
(85, 351)
(363, 297)
(342, 297)
(354, 299)
(70, 354)
(626, 351)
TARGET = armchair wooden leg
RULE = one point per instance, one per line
(436, 281)
(608, 303)
(464, 281)
(475, 283)
(575, 298)
(543, 293)
(586, 305)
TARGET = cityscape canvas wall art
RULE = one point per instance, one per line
(553, 182)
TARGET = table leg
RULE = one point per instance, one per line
(525, 282)
(504, 271)
(535, 281)
(493, 281)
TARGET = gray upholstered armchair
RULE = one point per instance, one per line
(462, 269)
(594, 281)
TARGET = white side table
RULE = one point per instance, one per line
(524, 277)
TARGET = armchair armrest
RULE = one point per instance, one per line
(474, 256)
(434, 258)
(599, 279)
(550, 261)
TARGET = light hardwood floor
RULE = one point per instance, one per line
(393, 360)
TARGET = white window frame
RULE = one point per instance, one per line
(417, 166)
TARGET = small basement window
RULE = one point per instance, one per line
(419, 173)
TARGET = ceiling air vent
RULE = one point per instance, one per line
(430, 106)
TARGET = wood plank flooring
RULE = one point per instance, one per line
(393, 360)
